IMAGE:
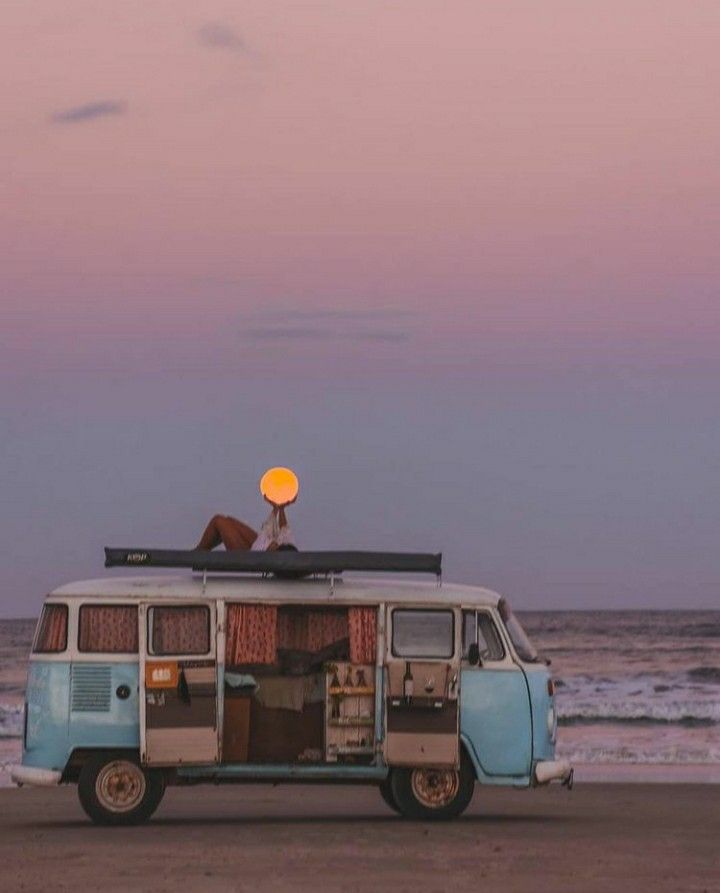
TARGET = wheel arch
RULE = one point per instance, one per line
(467, 751)
(80, 756)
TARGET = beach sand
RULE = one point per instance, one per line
(598, 837)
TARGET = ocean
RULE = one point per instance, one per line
(633, 687)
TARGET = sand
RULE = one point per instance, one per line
(598, 837)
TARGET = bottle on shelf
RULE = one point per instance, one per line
(408, 684)
(348, 678)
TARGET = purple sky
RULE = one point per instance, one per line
(456, 265)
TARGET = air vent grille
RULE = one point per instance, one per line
(91, 689)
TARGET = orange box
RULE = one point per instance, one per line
(161, 674)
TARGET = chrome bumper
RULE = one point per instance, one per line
(32, 775)
(554, 770)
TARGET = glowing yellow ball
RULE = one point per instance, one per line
(279, 486)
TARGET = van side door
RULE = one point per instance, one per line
(178, 683)
(495, 716)
(422, 686)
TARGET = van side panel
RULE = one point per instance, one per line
(47, 696)
(495, 720)
(75, 705)
(98, 717)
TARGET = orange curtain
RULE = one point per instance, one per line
(307, 630)
(362, 623)
(251, 634)
(108, 628)
(52, 635)
(181, 630)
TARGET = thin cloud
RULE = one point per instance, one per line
(324, 333)
(332, 314)
(91, 111)
(219, 36)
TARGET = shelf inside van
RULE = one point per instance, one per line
(351, 692)
(349, 712)
(350, 721)
(345, 750)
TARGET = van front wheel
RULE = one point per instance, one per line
(114, 789)
(433, 793)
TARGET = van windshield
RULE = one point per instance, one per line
(523, 646)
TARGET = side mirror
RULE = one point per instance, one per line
(474, 655)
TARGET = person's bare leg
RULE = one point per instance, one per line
(211, 535)
(233, 534)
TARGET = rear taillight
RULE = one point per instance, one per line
(551, 687)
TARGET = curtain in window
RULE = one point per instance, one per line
(52, 635)
(108, 628)
(362, 624)
(308, 630)
(181, 630)
(251, 634)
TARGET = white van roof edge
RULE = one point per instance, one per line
(356, 590)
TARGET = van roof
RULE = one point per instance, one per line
(355, 590)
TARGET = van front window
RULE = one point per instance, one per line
(523, 646)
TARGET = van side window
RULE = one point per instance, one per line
(51, 636)
(479, 627)
(417, 633)
(110, 629)
(180, 630)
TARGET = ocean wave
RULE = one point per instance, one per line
(619, 707)
(616, 635)
(705, 674)
(702, 679)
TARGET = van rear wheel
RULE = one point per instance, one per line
(114, 789)
(429, 793)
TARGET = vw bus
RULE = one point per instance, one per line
(279, 669)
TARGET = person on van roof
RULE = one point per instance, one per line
(235, 535)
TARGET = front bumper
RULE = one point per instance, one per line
(553, 770)
(32, 775)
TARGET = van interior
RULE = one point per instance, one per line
(299, 684)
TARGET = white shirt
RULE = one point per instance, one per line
(270, 532)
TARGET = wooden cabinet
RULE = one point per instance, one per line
(236, 729)
(349, 712)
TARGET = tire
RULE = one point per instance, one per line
(433, 794)
(114, 789)
(385, 789)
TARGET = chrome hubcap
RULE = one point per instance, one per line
(435, 788)
(120, 786)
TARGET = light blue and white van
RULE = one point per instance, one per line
(424, 690)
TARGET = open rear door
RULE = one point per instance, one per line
(178, 681)
(423, 687)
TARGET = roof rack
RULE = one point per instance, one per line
(280, 562)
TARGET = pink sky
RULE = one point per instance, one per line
(504, 168)
(403, 245)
